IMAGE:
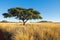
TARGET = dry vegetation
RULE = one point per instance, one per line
(31, 31)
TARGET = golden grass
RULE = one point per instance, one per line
(32, 31)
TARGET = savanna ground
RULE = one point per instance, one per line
(31, 31)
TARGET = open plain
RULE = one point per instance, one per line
(31, 31)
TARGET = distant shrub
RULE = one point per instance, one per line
(45, 21)
(4, 21)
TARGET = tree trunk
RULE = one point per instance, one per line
(23, 23)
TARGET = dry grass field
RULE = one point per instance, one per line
(31, 31)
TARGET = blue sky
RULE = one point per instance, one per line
(49, 9)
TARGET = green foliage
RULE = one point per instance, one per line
(23, 14)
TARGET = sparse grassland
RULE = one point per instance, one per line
(31, 31)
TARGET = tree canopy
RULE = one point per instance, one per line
(23, 14)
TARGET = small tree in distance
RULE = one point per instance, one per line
(22, 14)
